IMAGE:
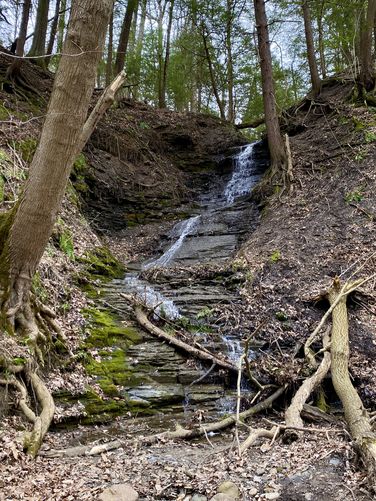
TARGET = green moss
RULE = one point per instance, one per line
(105, 330)
(99, 409)
(80, 175)
(37, 287)
(275, 256)
(27, 148)
(100, 263)
(281, 316)
(4, 113)
(111, 370)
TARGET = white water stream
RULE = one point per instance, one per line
(243, 177)
(241, 183)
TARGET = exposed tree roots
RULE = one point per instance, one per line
(292, 415)
(356, 416)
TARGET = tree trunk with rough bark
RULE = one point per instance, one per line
(275, 141)
(367, 70)
(38, 47)
(32, 220)
(212, 75)
(315, 79)
(51, 41)
(138, 49)
(124, 35)
(23, 28)
(163, 88)
(13, 72)
(230, 65)
(110, 48)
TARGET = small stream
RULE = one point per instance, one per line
(212, 234)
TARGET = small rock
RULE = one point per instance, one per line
(308, 496)
(199, 497)
(257, 479)
(222, 497)
(260, 471)
(119, 492)
(271, 495)
(335, 461)
(253, 491)
(230, 489)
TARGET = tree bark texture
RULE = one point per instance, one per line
(230, 66)
(51, 41)
(23, 28)
(275, 141)
(124, 35)
(163, 89)
(40, 201)
(38, 46)
(315, 79)
(61, 26)
(138, 49)
(211, 73)
(110, 48)
(367, 72)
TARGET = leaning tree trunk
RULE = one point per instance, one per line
(275, 141)
(32, 221)
(38, 47)
(356, 415)
(315, 79)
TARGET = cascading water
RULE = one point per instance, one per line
(185, 228)
(243, 179)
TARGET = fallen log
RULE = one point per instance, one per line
(251, 125)
(178, 434)
(292, 414)
(200, 353)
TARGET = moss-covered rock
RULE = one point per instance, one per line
(100, 263)
(105, 330)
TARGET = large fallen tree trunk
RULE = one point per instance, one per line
(356, 415)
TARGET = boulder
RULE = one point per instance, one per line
(230, 489)
(119, 492)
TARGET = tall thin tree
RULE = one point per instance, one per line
(367, 70)
(38, 46)
(124, 35)
(275, 141)
(313, 70)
